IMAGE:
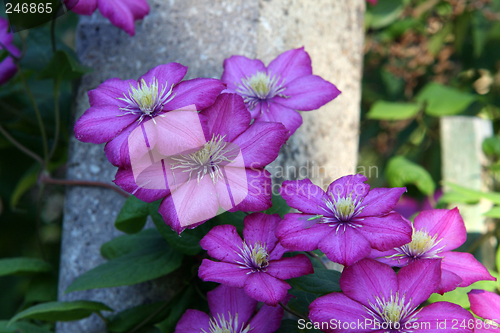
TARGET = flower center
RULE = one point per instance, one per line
(208, 160)
(254, 257)
(422, 246)
(221, 325)
(146, 99)
(260, 87)
(392, 313)
(344, 211)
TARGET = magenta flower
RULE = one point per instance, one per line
(486, 305)
(231, 311)
(346, 222)
(122, 13)
(372, 2)
(275, 93)
(7, 66)
(255, 264)
(375, 298)
(203, 164)
(435, 234)
(118, 107)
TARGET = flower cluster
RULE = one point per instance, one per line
(7, 65)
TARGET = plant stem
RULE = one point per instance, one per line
(39, 221)
(22, 148)
(48, 180)
(287, 309)
(314, 255)
(57, 118)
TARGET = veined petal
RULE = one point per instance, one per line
(267, 320)
(307, 93)
(293, 234)
(277, 113)
(125, 179)
(123, 13)
(85, 7)
(386, 232)
(224, 299)
(291, 65)
(485, 304)
(304, 196)
(465, 266)
(266, 288)
(259, 191)
(193, 321)
(261, 228)
(368, 279)
(384, 257)
(223, 243)
(117, 150)
(449, 281)
(109, 92)
(288, 268)
(419, 280)
(381, 201)
(444, 317)
(352, 185)
(345, 247)
(239, 67)
(166, 75)
(222, 272)
(199, 92)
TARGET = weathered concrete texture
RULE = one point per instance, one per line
(201, 34)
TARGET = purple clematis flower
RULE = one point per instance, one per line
(255, 264)
(346, 222)
(122, 13)
(203, 163)
(275, 92)
(231, 311)
(118, 107)
(7, 66)
(376, 299)
(435, 234)
(486, 305)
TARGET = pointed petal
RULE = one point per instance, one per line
(278, 252)
(419, 280)
(261, 228)
(122, 13)
(444, 317)
(352, 185)
(384, 257)
(239, 67)
(265, 288)
(485, 304)
(224, 299)
(345, 246)
(85, 7)
(446, 224)
(109, 92)
(449, 281)
(386, 232)
(261, 143)
(125, 179)
(223, 272)
(366, 279)
(307, 93)
(291, 65)
(304, 196)
(166, 75)
(381, 201)
(288, 268)
(465, 266)
(259, 191)
(193, 321)
(277, 113)
(338, 308)
(223, 243)
(199, 92)
(267, 320)
(294, 236)
(117, 150)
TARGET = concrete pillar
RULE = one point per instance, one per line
(201, 34)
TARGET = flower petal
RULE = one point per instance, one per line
(295, 236)
(485, 304)
(307, 93)
(444, 317)
(110, 91)
(223, 243)
(288, 268)
(465, 266)
(224, 299)
(261, 228)
(166, 75)
(352, 185)
(123, 13)
(7, 69)
(381, 201)
(366, 279)
(117, 150)
(419, 280)
(198, 92)
(446, 224)
(291, 65)
(267, 320)
(345, 246)
(386, 232)
(193, 321)
(449, 281)
(304, 196)
(222, 272)
(125, 179)
(266, 288)
(259, 191)
(239, 67)
(277, 113)
(85, 7)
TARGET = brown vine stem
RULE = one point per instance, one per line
(22, 148)
(314, 255)
(287, 309)
(48, 180)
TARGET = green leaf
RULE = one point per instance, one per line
(300, 303)
(12, 266)
(295, 326)
(144, 264)
(454, 197)
(27, 181)
(42, 288)
(442, 101)
(61, 311)
(130, 318)
(279, 206)
(481, 27)
(188, 242)
(132, 216)
(491, 196)
(63, 66)
(498, 263)
(322, 282)
(494, 212)
(180, 304)
(21, 327)
(148, 239)
(491, 146)
(401, 172)
(385, 13)
(393, 111)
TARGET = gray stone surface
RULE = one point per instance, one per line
(201, 34)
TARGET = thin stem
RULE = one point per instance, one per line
(57, 116)
(104, 319)
(39, 221)
(48, 180)
(22, 148)
(287, 309)
(314, 255)
(53, 33)
(37, 111)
